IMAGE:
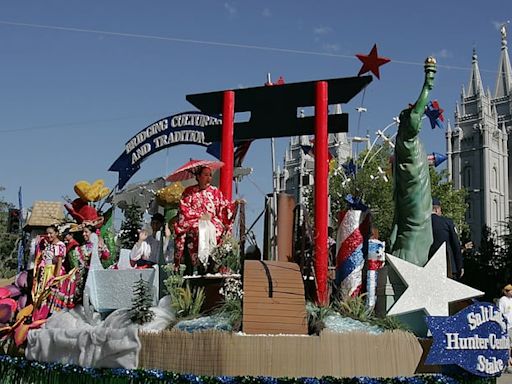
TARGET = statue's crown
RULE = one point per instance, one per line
(430, 63)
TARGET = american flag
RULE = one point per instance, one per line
(241, 149)
(434, 113)
(310, 150)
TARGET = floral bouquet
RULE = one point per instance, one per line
(232, 289)
(227, 254)
(231, 308)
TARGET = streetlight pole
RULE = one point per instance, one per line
(273, 240)
(357, 140)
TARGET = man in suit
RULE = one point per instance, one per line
(443, 231)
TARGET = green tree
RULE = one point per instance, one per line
(506, 253)
(8, 256)
(4, 212)
(453, 200)
(486, 268)
(373, 182)
(130, 226)
(141, 302)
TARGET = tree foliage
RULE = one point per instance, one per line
(130, 226)
(490, 266)
(373, 182)
(483, 268)
(368, 183)
(8, 256)
(142, 301)
(453, 200)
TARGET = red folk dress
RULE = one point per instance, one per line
(194, 204)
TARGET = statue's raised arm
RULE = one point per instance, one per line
(412, 229)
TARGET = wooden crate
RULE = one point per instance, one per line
(274, 300)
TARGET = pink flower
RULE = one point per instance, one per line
(7, 305)
(22, 301)
(39, 317)
(41, 313)
(22, 280)
(6, 310)
(20, 289)
(4, 292)
(14, 290)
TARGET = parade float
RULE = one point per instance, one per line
(252, 320)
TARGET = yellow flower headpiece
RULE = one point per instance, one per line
(91, 192)
(170, 195)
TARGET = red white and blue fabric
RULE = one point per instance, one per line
(435, 114)
(436, 159)
(310, 150)
(241, 149)
(376, 258)
(353, 230)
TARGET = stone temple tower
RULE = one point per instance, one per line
(298, 168)
(478, 146)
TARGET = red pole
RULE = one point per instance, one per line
(227, 145)
(321, 192)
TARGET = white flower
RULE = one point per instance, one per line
(232, 289)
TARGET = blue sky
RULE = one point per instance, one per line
(79, 78)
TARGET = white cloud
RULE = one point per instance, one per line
(322, 30)
(498, 24)
(443, 54)
(331, 48)
(230, 8)
(266, 12)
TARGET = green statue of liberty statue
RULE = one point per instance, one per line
(412, 229)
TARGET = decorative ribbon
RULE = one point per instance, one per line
(207, 240)
(376, 257)
(352, 233)
(355, 203)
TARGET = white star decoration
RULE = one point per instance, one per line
(428, 287)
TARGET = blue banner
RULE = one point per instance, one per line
(475, 339)
(183, 128)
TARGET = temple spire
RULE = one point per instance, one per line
(504, 79)
(475, 81)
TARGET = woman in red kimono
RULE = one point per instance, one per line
(200, 202)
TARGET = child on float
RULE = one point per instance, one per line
(147, 250)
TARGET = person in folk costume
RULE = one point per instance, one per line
(63, 297)
(169, 236)
(200, 202)
(82, 258)
(71, 243)
(48, 264)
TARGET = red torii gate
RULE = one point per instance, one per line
(274, 114)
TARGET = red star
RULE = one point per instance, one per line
(372, 62)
